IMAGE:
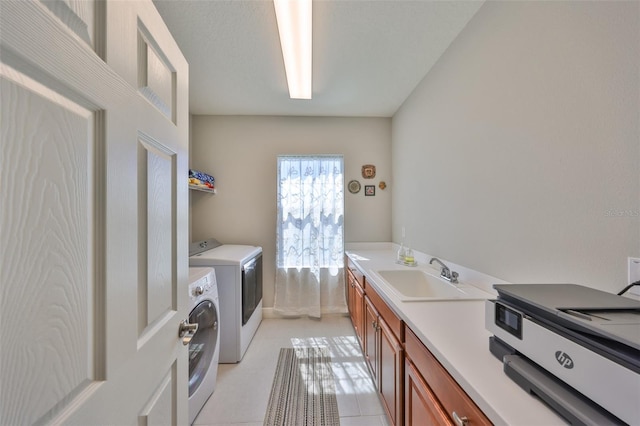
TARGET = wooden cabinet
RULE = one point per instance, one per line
(355, 299)
(384, 353)
(371, 338)
(415, 389)
(390, 359)
(358, 312)
(421, 406)
(431, 392)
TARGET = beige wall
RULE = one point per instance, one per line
(240, 152)
(518, 154)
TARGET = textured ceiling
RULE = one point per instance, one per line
(368, 55)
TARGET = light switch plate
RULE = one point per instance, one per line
(634, 274)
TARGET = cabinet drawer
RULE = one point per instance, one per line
(359, 276)
(447, 390)
(393, 322)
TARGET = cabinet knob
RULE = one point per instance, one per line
(460, 421)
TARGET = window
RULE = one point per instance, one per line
(310, 212)
(310, 248)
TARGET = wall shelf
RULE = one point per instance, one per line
(202, 189)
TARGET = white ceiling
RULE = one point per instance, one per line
(368, 55)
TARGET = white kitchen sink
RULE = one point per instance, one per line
(418, 285)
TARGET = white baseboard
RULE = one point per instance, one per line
(269, 313)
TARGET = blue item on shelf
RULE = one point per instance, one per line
(203, 177)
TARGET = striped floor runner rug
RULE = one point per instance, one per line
(303, 390)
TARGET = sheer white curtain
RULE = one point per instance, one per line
(310, 245)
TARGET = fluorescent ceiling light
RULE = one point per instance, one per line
(294, 26)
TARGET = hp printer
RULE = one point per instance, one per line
(576, 348)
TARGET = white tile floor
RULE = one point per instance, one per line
(242, 390)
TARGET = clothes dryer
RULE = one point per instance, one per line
(239, 274)
(204, 348)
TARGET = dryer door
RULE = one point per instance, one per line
(204, 342)
(251, 287)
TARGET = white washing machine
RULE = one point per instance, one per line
(239, 274)
(204, 348)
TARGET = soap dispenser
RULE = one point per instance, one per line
(401, 253)
(401, 250)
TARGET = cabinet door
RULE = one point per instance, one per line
(421, 407)
(348, 278)
(391, 376)
(358, 309)
(350, 296)
(371, 337)
(451, 396)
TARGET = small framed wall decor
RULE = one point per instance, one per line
(370, 190)
(368, 171)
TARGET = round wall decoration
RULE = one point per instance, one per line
(354, 187)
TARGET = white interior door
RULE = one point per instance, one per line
(94, 221)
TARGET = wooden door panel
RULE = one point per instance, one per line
(451, 396)
(94, 222)
(391, 376)
(156, 75)
(421, 405)
(350, 295)
(77, 15)
(156, 185)
(371, 338)
(49, 285)
(159, 410)
(358, 308)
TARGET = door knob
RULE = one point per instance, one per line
(186, 331)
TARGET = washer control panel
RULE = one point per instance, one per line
(202, 282)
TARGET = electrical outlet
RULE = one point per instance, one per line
(634, 274)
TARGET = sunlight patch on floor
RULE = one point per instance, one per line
(350, 372)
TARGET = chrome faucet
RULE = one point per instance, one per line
(445, 272)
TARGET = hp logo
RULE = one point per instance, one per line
(564, 360)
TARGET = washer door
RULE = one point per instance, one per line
(203, 344)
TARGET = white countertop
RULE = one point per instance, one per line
(454, 332)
